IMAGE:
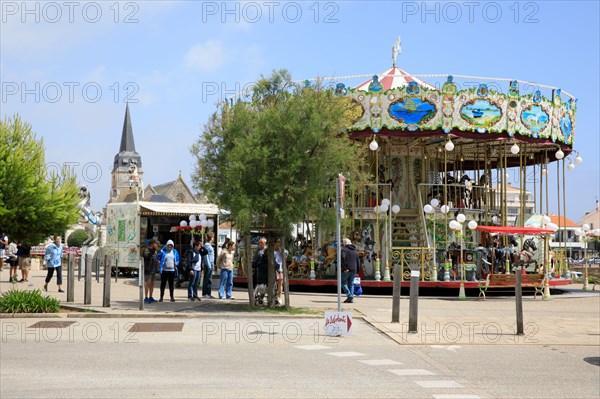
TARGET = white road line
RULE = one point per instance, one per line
(345, 354)
(404, 372)
(439, 384)
(312, 347)
(380, 362)
(456, 396)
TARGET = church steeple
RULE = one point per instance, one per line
(127, 155)
(127, 151)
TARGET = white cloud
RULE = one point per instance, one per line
(207, 56)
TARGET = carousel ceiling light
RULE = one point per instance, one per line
(559, 154)
(571, 166)
(396, 209)
(515, 149)
(434, 202)
(472, 225)
(449, 145)
(373, 146)
(461, 218)
(578, 159)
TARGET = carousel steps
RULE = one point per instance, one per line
(407, 230)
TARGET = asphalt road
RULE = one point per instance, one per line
(274, 357)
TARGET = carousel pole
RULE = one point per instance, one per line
(564, 191)
(377, 235)
(560, 223)
(546, 294)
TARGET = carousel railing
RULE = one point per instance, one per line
(413, 258)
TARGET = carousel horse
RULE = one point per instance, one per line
(458, 193)
(91, 219)
(483, 260)
(300, 265)
(524, 257)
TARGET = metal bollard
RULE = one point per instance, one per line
(116, 270)
(71, 279)
(87, 291)
(81, 262)
(519, 300)
(396, 295)
(106, 294)
(413, 309)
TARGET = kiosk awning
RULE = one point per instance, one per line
(174, 209)
(532, 231)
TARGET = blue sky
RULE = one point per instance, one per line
(175, 60)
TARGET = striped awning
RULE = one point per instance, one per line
(173, 208)
(394, 78)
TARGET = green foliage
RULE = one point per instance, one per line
(77, 238)
(277, 156)
(33, 204)
(21, 301)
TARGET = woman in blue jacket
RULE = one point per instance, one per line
(53, 259)
(169, 260)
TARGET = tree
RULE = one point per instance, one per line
(77, 238)
(33, 203)
(277, 156)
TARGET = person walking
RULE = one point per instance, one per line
(150, 269)
(13, 260)
(3, 245)
(225, 265)
(24, 253)
(53, 258)
(349, 268)
(279, 269)
(169, 260)
(195, 270)
(208, 264)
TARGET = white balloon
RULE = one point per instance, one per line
(203, 223)
(434, 202)
(193, 224)
(396, 208)
(183, 223)
(192, 217)
(383, 208)
(461, 218)
(202, 216)
(472, 225)
(427, 208)
(445, 209)
(454, 225)
(385, 201)
(210, 223)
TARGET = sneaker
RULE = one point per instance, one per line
(146, 300)
(172, 299)
(349, 300)
(191, 299)
(60, 290)
(196, 299)
(206, 296)
(22, 280)
(231, 298)
(152, 300)
(160, 300)
(46, 287)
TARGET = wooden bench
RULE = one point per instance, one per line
(510, 280)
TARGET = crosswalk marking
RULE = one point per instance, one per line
(456, 396)
(403, 372)
(345, 354)
(380, 362)
(439, 384)
(312, 347)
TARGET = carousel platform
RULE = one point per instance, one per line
(385, 287)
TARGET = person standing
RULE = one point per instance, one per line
(225, 265)
(349, 268)
(279, 269)
(260, 263)
(53, 258)
(13, 260)
(150, 269)
(169, 260)
(208, 264)
(195, 270)
(24, 253)
(3, 245)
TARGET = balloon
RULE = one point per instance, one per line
(396, 208)
(192, 217)
(434, 202)
(385, 201)
(445, 209)
(427, 208)
(461, 218)
(210, 223)
(383, 208)
(472, 225)
(202, 216)
(183, 223)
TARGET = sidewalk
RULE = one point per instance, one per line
(572, 318)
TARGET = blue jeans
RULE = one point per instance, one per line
(226, 283)
(207, 280)
(193, 286)
(348, 283)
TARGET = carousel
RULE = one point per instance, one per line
(449, 154)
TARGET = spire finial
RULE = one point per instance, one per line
(396, 50)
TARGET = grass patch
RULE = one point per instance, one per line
(22, 301)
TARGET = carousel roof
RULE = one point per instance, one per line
(394, 78)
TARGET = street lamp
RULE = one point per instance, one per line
(431, 209)
(585, 229)
(458, 226)
(388, 211)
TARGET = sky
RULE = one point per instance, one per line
(69, 67)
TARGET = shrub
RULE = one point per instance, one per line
(77, 238)
(22, 301)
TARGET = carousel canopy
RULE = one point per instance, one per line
(393, 78)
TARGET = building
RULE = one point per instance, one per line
(513, 204)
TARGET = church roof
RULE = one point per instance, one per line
(127, 151)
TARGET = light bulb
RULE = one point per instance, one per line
(434, 202)
(449, 145)
(396, 208)
(571, 166)
(385, 202)
(373, 146)
(445, 209)
(428, 209)
(183, 223)
(515, 149)
(461, 218)
(578, 159)
(559, 154)
(585, 227)
(192, 217)
(472, 225)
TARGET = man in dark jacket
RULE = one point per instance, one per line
(260, 263)
(150, 269)
(349, 268)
